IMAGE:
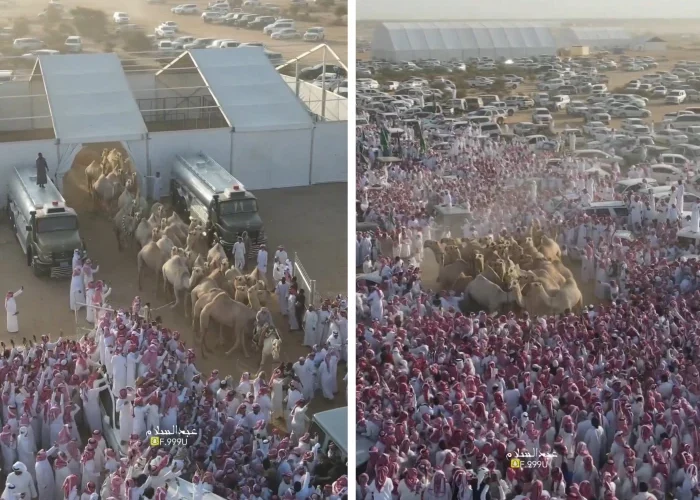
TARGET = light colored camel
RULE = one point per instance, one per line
(271, 347)
(487, 294)
(145, 233)
(241, 294)
(152, 257)
(538, 301)
(227, 312)
(197, 242)
(172, 232)
(215, 254)
(202, 282)
(176, 272)
(92, 173)
(156, 214)
(126, 197)
(199, 304)
(182, 228)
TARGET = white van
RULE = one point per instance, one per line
(682, 122)
(560, 102)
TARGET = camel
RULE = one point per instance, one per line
(197, 306)
(227, 312)
(125, 228)
(461, 283)
(156, 215)
(176, 272)
(145, 232)
(241, 294)
(452, 254)
(530, 249)
(491, 275)
(550, 249)
(197, 242)
(437, 248)
(105, 190)
(488, 294)
(126, 197)
(271, 346)
(176, 222)
(567, 298)
(172, 232)
(544, 265)
(165, 245)
(529, 277)
(450, 273)
(92, 173)
(255, 277)
(216, 254)
(152, 257)
(563, 270)
(204, 279)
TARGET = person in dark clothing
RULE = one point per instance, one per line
(300, 308)
(42, 170)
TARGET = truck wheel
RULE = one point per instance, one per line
(29, 257)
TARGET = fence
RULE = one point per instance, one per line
(305, 281)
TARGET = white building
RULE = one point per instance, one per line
(597, 38)
(230, 104)
(654, 44)
(460, 40)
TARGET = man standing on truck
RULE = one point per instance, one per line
(42, 170)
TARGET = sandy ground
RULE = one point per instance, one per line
(151, 15)
(291, 218)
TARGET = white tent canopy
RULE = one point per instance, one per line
(460, 40)
(250, 93)
(89, 98)
(597, 37)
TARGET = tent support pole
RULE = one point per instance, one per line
(311, 156)
(323, 86)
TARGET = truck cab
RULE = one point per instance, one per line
(47, 229)
(203, 190)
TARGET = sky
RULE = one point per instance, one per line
(525, 9)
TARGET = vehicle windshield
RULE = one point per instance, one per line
(233, 207)
(53, 224)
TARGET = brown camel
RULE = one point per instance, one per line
(227, 312)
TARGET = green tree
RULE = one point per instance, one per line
(341, 10)
(137, 41)
(90, 23)
(20, 28)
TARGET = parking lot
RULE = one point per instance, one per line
(150, 15)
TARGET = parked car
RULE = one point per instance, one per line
(171, 24)
(666, 174)
(28, 44)
(260, 22)
(198, 43)
(185, 9)
(120, 18)
(278, 25)
(211, 16)
(629, 111)
(164, 32)
(74, 44)
(541, 115)
(670, 137)
(675, 97)
(285, 34)
(315, 35)
(180, 42)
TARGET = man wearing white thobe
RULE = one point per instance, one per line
(77, 293)
(282, 295)
(262, 259)
(281, 254)
(239, 253)
(12, 312)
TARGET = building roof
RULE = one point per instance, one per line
(249, 91)
(445, 36)
(89, 98)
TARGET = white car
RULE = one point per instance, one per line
(211, 16)
(541, 115)
(171, 24)
(181, 41)
(629, 111)
(285, 34)
(590, 127)
(120, 18)
(41, 52)
(317, 34)
(164, 32)
(576, 108)
(277, 25)
(524, 128)
(670, 137)
(185, 9)
(74, 44)
(675, 97)
(666, 174)
(659, 92)
(628, 123)
(28, 44)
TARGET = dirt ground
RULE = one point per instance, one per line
(291, 217)
(151, 15)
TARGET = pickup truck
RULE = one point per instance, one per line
(480, 82)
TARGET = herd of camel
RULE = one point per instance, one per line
(497, 274)
(180, 254)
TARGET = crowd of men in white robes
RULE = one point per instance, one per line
(227, 442)
(601, 404)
